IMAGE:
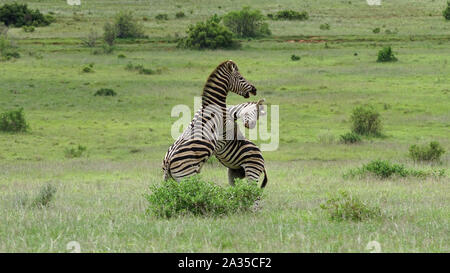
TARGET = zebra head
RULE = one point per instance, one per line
(236, 83)
(252, 112)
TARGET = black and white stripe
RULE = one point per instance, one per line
(198, 142)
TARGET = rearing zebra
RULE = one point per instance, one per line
(197, 143)
(241, 156)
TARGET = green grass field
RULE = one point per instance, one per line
(99, 199)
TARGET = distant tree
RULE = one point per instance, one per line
(446, 11)
(19, 15)
(246, 23)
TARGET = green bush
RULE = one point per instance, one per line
(431, 152)
(109, 34)
(180, 14)
(290, 15)
(162, 16)
(366, 121)
(7, 49)
(446, 12)
(105, 92)
(13, 121)
(28, 28)
(194, 196)
(376, 30)
(384, 169)
(127, 26)
(386, 55)
(87, 69)
(345, 206)
(246, 23)
(295, 57)
(44, 197)
(209, 34)
(325, 26)
(75, 152)
(350, 138)
(19, 15)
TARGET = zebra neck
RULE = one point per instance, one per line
(215, 90)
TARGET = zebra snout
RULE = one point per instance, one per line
(253, 91)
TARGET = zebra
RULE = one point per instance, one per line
(197, 143)
(241, 156)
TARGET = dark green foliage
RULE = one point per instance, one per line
(105, 92)
(295, 57)
(325, 26)
(345, 206)
(431, 152)
(376, 30)
(384, 169)
(209, 34)
(75, 152)
(127, 26)
(87, 69)
(109, 34)
(162, 16)
(446, 12)
(366, 121)
(386, 55)
(121, 56)
(350, 138)
(290, 15)
(19, 15)
(44, 197)
(194, 196)
(13, 121)
(246, 23)
(28, 28)
(180, 14)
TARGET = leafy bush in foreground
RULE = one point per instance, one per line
(366, 121)
(45, 196)
(19, 15)
(345, 206)
(209, 34)
(13, 121)
(290, 15)
(430, 152)
(195, 196)
(384, 169)
(386, 55)
(246, 23)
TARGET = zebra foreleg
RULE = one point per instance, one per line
(235, 173)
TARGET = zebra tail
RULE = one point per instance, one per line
(265, 179)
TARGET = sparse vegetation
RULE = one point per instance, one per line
(290, 15)
(91, 39)
(8, 50)
(195, 196)
(180, 14)
(105, 92)
(75, 152)
(431, 152)
(247, 23)
(386, 55)
(45, 196)
(350, 138)
(325, 26)
(366, 121)
(345, 206)
(13, 121)
(162, 17)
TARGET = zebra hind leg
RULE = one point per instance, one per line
(235, 173)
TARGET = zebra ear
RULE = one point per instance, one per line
(231, 65)
(261, 101)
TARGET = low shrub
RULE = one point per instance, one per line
(127, 26)
(195, 196)
(431, 152)
(350, 138)
(8, 50)
(45, 196)
(109, 34)
(19, 15)
(325, 26)
(386, 55)
(366, 121)
(246, 23)
(13, 121)
(180, 14)
(141, 69)
(376, 30)
(105, 92)
(295, 57)
(208, 35)
(290, 15)
(75, 152)
(87, 69)
(384, 169)
(91, 39)
(446, 11)
(28, 29)
(162, 16)
(345, 206)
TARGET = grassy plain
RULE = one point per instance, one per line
(99, 200)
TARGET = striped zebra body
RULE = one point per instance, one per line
(197, 143)
(241, 156)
